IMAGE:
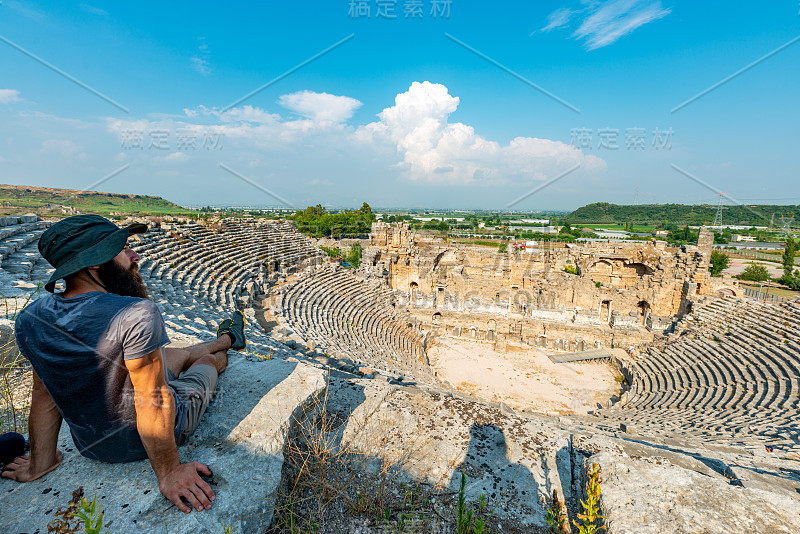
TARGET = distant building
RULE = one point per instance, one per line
(731, 227)
(660, 233)
(531, 221)
(740, 237)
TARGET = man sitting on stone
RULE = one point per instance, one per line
(100, 361)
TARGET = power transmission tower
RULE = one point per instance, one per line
(786, 224)
(718, 216)
(636, 195)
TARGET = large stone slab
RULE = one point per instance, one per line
(241, 438)
(434, 436)
(651, 497)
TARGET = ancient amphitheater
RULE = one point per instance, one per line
(704, 435)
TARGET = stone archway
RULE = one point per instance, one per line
(605, 310)
(644, 310)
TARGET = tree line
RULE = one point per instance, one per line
(316, 221)
(758, 215)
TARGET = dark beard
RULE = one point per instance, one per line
(120, 281)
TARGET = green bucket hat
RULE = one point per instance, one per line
(82, 241)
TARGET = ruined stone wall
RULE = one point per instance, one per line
(628, 285)
(560, 333)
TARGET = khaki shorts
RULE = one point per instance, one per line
(195, 387)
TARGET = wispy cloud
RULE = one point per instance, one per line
(94, 10)
(558, 19)
(200, 59)
(9, 96)
(25, 9)
(605, 22)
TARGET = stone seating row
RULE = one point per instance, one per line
(749, 429)
(735, 364)
(198, 275)
(17, 237)
(341, 312)
(231, 248)
(188, 313)
(20, 261)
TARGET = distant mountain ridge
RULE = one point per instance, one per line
(754, 215)
(18, 199)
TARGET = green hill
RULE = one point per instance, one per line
(755, 215)
(45, 201)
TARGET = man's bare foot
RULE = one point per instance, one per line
(22, 470)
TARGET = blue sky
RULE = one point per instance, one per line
(424, 111)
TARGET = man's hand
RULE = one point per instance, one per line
(184, 482)
(23, 470)
(44, 422)
(155, 421)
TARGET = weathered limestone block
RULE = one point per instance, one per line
(436, 436)
(241, 438)
(643, 497)
(590, 317)
(624, 321)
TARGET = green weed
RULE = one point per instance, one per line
(79, 514)
(556, 517)
(591, 517)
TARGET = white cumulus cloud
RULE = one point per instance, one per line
(437, 151)
(9, 96)
(412, 140)
(320, 106)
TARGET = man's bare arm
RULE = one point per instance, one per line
(44, 423)
(155, 421)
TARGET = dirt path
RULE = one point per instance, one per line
(523, 379)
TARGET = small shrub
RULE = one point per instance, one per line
(354, 256)
(556, 517)
(332, 252)
(571, 269)
(469, 521)
(79, 513)
(718, 263)
(754, 273)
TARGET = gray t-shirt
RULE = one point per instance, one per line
(77, 346)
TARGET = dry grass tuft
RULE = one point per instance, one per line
(342, 476)
(16, 376)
